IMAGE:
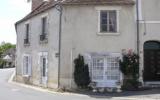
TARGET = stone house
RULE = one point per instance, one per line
(9, 58)
(56, 32)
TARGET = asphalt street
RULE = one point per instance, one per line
(9, 91)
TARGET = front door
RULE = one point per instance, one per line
(151, 61)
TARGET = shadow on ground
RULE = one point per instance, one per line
(122, 94)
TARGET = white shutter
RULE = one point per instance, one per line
(30, 66)
(46, 56)
(24, 66)
(39, 62)
(88, 60)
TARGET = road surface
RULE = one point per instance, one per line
(9, 91)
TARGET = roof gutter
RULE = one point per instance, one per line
(60, 9)
(137, 22)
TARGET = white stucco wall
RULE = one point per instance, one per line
(149, 25)
(35, 47)
(79, 36)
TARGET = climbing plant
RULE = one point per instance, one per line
(129, 66)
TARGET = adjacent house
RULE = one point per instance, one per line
(149, 40)
(56, 32)
(9, 58)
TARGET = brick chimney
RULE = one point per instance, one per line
(36, 3)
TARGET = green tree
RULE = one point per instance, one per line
(4, 47)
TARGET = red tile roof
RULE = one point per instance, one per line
(47, 5)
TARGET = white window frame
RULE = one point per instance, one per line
(99, 9)
(44, 79)
(47, 23)
(29, 31)
(29, 65)
(106, 81)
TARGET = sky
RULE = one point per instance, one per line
(10, 12)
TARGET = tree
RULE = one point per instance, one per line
(81, 73)
(3, 48)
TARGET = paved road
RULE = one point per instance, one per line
(15, 92)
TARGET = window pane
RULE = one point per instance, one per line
(104, 14)
(103, 21)
(44, 24)
(112, 21)
(44, 67)
(104, 28)
(98, 68)
(27, 60)
(27, 31)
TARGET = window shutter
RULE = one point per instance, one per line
(30, 66)
(39, 62)
(24, 66)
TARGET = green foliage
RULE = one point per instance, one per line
(4, 47)
(129, 66)
(81, 73)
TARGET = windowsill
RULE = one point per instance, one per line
(108, 33)
(43, 41)
(25, 75)
(26, 44)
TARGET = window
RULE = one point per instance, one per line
(43, 35)
(98, 68)
(105, 68)
(108, 21)
(44, 65)
(112, 71)
(26, 40)
(44, 25)
(26, 65)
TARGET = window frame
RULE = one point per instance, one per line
(43, 55)
(27, 29)
(44, 28)
(27, 72)
(117, 9)
(27, 33)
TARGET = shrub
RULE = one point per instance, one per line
(81, 73)
(129, 66)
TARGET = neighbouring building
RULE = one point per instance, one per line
(56, 32)
(9, 58)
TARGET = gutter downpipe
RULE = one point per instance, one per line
(137, 22)
(60, 9)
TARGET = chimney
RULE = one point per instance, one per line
(36, 3)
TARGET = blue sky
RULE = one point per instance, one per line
(10, 12)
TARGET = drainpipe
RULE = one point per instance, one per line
(59, 8)
(137, 22)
